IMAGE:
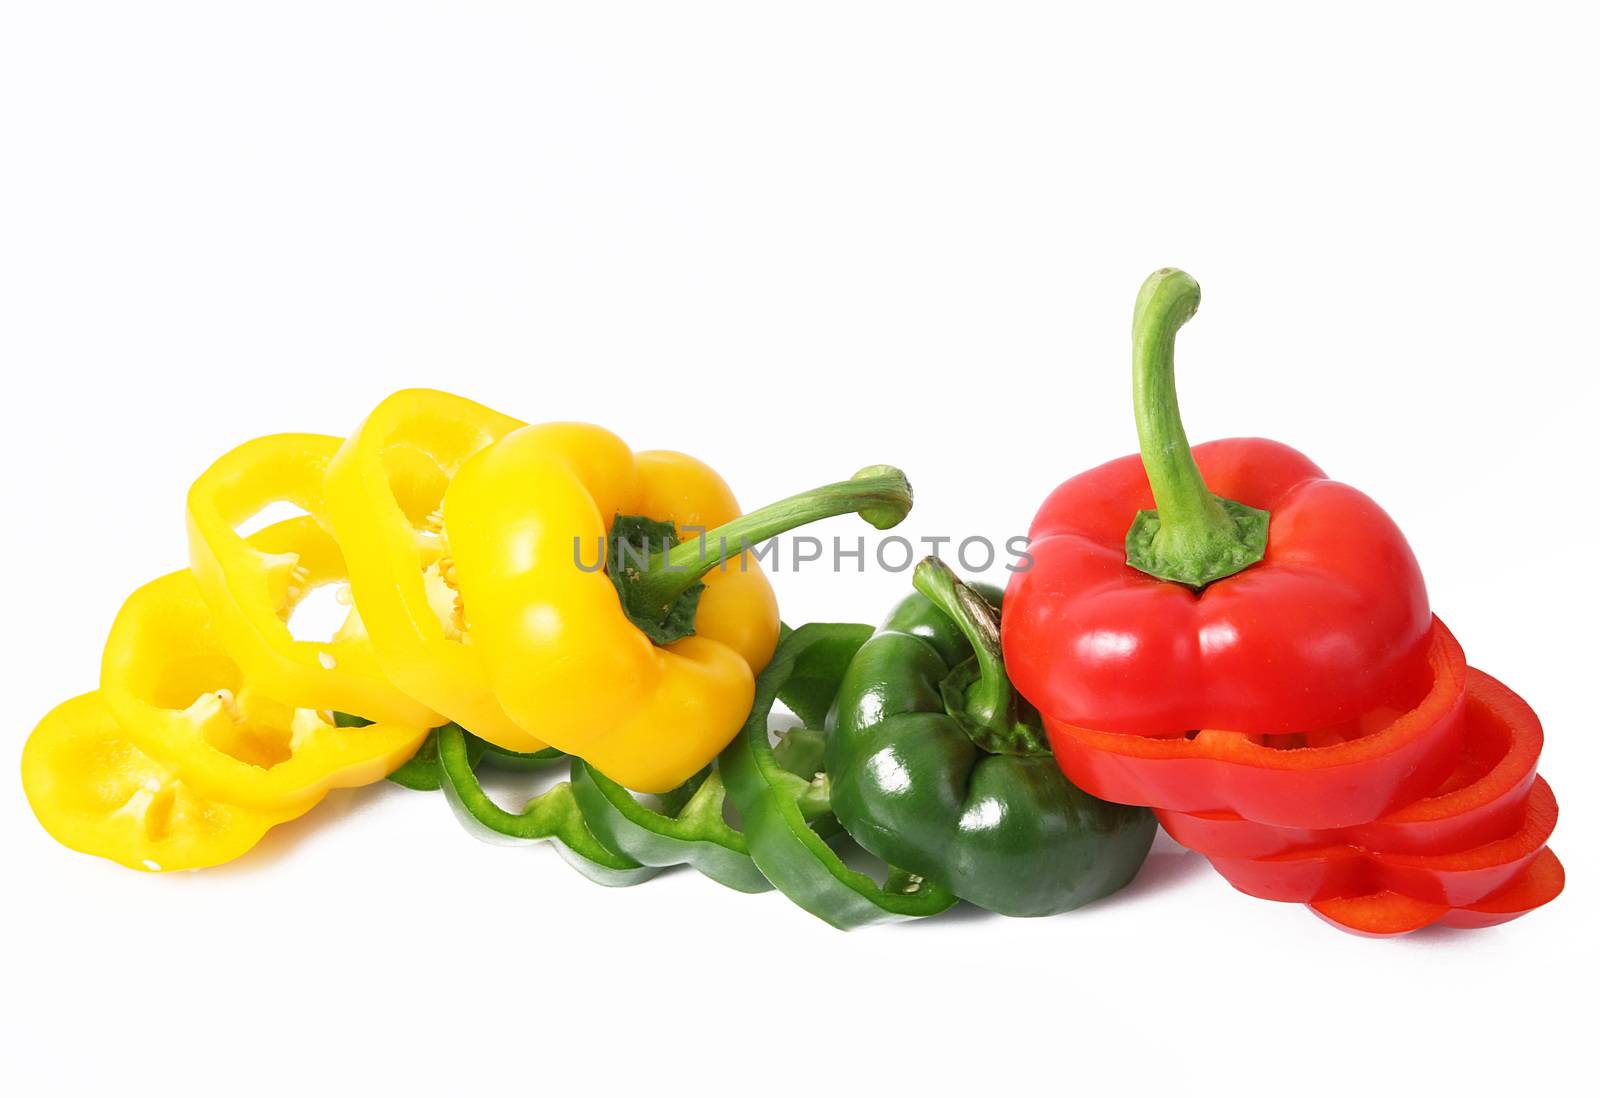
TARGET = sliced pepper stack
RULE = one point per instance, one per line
(1260, 667)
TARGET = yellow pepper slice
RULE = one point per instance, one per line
(253, 586)
(167, 677)
(568, 657)
(384, 492)
(95, 792)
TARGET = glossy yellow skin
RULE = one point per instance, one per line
(563, 659)
(95, 792)
(253, 586)
(180, 698)
(383, 494)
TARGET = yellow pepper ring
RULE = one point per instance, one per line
(180, 698)
(97, 793)
(528, 518)
(385, 489)
(252, 586)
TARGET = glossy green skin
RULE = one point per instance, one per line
(695, 834)
(1006, 832)
(771, 797)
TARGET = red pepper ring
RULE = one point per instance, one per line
(1386, 914)
(1482, 800)
(1454, 879)
(1342, 785)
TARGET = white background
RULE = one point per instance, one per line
(792, 242)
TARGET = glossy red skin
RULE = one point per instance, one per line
(1455, 879)
(1332, 622)
(1484, 800)
(1323, 787)
(1388, 914)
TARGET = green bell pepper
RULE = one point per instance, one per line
(773, 799)
(938, 766)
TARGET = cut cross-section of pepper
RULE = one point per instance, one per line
(96, 792)
(1455, 878)
(1343, 783)
(1482, 800)
(254, 584)
(181, 698)
(1387, 914)
(385, 488)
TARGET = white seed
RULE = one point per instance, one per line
(327, 660)
(153, 867)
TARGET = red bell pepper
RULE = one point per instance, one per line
(1386, 914)
(1484, 799)
(1346, 783)
(1283, 602)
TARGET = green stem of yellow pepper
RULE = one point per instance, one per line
(659, 583)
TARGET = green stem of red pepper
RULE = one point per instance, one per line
(1192, 537)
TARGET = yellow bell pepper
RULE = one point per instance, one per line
(645, 670)
(95, 792)
(384, 491)
(253, 586)
(180, 698)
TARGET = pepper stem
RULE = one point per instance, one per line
(1192, 537)
(978, 693)
(660, 588)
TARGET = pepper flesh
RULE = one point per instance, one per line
(384, 492)
(1454, 878)
(95, 792)
(1330, 623)
(553, 816)
(918, 781)
(769, 797)
(254, 585)
(564, 658)
(695, 833)
(1340, 785)
(1482, 800)
(180, 698)
(1388, 914)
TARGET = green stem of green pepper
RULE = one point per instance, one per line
(1192, 537)
(660, 589)
(989, 710)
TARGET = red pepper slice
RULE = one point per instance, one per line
(1483, 800)
(1453, 879)
(1386, 914)
(1340, 785)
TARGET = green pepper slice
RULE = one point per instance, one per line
(687, 825)
(502, 758)
(421, 770)
(689, 829)
(769, 797)
(939, 766)
(553, 816)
